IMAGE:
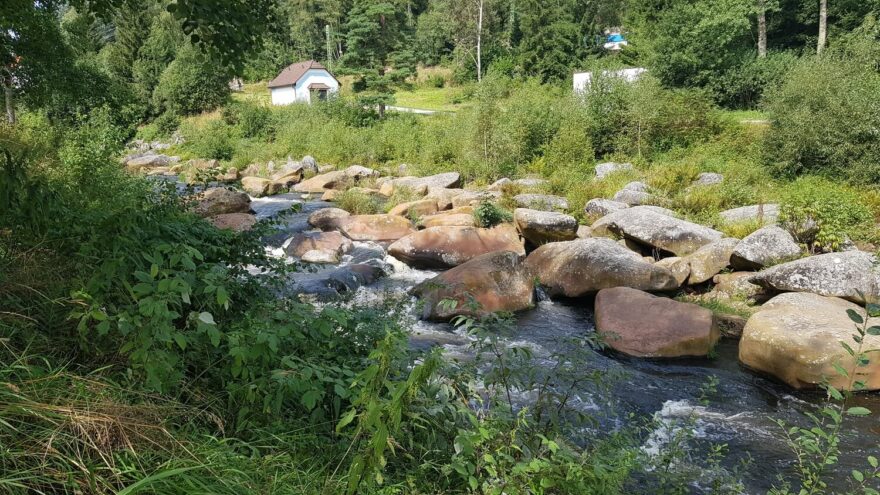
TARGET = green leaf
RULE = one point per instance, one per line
(858, 411)
(858, 476)
(345, 420)
(143, 483)
(833, 392)
(310, 399)
(206, 318)
(855, 316)
(154, 270)
(181, 341)
(872, 461)
(875, 330)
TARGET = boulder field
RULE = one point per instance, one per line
(631, 260)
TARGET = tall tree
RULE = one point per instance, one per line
(376, 51)
(762, 28)
(549, 38)
(823, 25)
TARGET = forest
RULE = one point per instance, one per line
(172, 319)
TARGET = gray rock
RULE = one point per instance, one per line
(605, 169)
(657, 230)
(765, 247)
(530, 183)
(330, 284)
(443, 196)
(599, 207)
(220, 200)
(679, 267)
(544, 202)
(309, 164)
(449, 180)
(634, 198)
(499, 184)
(360, 172)
(710, 259)
(768, 213)
(327, 219)
(585, 266)
(852, 275)
(540, 227)
(462, 198)
(708, 179)
(636, 186)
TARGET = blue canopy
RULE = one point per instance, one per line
(615, 38)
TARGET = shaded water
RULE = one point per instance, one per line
(740, 413)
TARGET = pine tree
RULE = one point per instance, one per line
(548, 38)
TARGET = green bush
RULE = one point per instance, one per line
(487, 215)
(250, 120)
(215, 141)
(193, 83)
(823, 214)
(359, 203)
(824, 120)
(743, 86)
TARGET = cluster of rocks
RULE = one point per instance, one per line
(630, 259)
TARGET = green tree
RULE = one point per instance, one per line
(377, 49)
(157, 52)
(548, 38)
(192, 83)
(132, 24)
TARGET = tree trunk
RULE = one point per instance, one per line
(10, 99)
(823, 25)
(762, 29)
(381, 111)
(480, 43)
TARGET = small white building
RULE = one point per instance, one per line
(583, 80)
(303, 82)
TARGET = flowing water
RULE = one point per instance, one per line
(740, 413)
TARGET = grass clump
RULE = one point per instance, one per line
(488, 214)
(359, 203)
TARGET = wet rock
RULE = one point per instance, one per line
(796, 338)
(768, 213)
(220, 200)
(445, 247)
(412, 209)
(643, 325)
(320, 183)
(708, 179)
(645, 225)
(543, 202)
(851, 275)
(598, 207)
(327, 219)
(257, 187)
(238, 222)
(333, 283)
(489, 283)
(540, 227)
(376, 228)
(765, 247)
(586, 266)
(679, 267)
(332, 242)
(605, 169)
(710, 259)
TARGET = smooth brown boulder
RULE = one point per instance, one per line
(446, 247)
(320, 183)
(238, 222)
(797, 337)
(710, 259)
(490, 283)
(643, 325)
(678, 266)
(256, 186)
(585, 266)
(540, 227)
(220, 200)
(317, 241)
(327, 219)
(449, 220)
(376, 228)
(443, 196)
(419, 208)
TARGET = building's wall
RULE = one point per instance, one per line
(314, 76)
(283, 96)
(583, 80)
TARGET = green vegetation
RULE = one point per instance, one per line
(486, 215)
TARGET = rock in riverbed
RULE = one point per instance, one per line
(765, 247)
(489, 283)
(851, 275)
(645, 225)
(220, 200)
(376, 228)
(644, 325)
(541, 227)
(446, 247)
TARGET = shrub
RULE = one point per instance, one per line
(193, 83)
(825, 118)
(166, 124)
(743, 86)
(249, 120)
(359, 203)
(823, 214)
(487, 215)
(214, 141)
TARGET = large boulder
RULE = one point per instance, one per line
(489, 283)
(634, 197)
(767, 213)
(445, 247)
(442, 181)
(647, 226)
(852, 275)
(736, 285)
(336, 179)
(540, 227)
(765, 247)
(797, 337)
(599, 207)
(376, 228)
(679, 267)
(420, 208)
(333, 283)
(710, 259)
(327, 219)
(605, 169)
(237, 222)
(585, 266)
(332, 242)
(444, 197)
(470, 198)
(544, 202)
(257, 186)
(451, 218)
(220, 200)
(148, 161)
(643, 325)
